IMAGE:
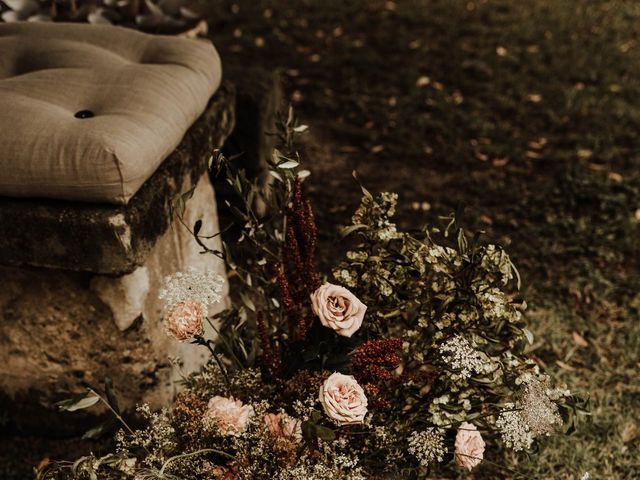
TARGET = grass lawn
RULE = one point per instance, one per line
(525, 113)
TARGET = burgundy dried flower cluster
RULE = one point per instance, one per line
(270, 355)
(375, 360)
(297, 276)
(373, 363)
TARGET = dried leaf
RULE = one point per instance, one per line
(423, 81)
(565, 366)
(579, 340)
(615, 177)
(629, 432)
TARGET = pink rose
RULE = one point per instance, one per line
(229, 416)
(469, 446)
(185, 320)
(338, 309)
(284, 427)
(343, 399)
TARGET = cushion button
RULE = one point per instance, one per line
(84, 114)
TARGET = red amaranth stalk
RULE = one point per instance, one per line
(297, 276)
(271, 360)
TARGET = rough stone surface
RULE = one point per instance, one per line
(61, 331)
(125, 295)
(111, 239)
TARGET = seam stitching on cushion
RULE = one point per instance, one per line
(119, 169)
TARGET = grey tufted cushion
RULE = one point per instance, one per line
(143, 91)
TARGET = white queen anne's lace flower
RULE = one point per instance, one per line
(203, 287)
(460, 356)
(427, 446)
(538, 410)
(514, 429)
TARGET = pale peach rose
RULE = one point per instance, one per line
(184, 320)
(229, 416)
(338, 309)
(284, 427)
(343, 399)
(469, 446)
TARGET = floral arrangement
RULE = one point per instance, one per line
(408, 361)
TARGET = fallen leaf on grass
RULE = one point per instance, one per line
(579, 340)
(500, 162)
(625, 47)
(629, 432)
(534, 97)
(501, 51)
(538, 143)
(423, 81)
(377, 148)
(565, 366)
(616, 177)
(584, 153)
(596, 167)
(348, 149)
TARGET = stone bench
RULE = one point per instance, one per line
(86, 235)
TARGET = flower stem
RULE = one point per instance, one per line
(191, 454)
(200, 340)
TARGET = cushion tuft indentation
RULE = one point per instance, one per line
(141, 93)
(82, 114)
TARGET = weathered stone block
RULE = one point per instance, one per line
(61, 331)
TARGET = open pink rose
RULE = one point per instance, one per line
(284, 427)
(184, 320)
(229, 416)
(338, 309)
(343, 399)
(469, 446)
